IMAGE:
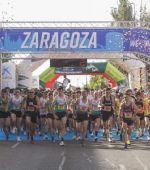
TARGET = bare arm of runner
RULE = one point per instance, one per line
(121, 111)
(37, 106)
(54, 104)
(113, 103)
(134, 108)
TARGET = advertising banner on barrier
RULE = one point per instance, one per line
(69, 70)
(9, 75)
(58, 63)
(105, 67)
(37, 40)
(35, 82)
(24, 74)
(114, 73)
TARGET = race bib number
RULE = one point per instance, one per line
(128, 115)
(60, 107)
(51, 107)
(107, 108)
(83, 109)
(140, 111)
(95, 108)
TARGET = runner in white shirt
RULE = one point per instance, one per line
(43, 111)
(95, 115)
(83, 107)
(60, 104)
(16, 114)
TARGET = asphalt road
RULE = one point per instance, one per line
(48, 156)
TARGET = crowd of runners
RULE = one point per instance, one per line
(47, 112)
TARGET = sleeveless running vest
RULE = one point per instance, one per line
(107, 104)
(16, 103)
(60, 104)
(30, 103)
(140, 105)
(83, 107)
(95, 109)
(127, 111)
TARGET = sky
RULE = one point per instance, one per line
(61, 10)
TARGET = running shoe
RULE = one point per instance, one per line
(56, 131)
(109, 139)
(68, 129)
(128, 142)
(61, 143)
(148, 138)
(74, 137)
(110, 136)
(45, 137)
(137, 134)
(126, 146)
(18, 139)
(14, 130)
(40, 134)
(78, 138)
(141, 135)
(92, 134)
(96, 139)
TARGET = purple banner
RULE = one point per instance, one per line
(75, 39)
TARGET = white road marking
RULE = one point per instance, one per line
(122, 167)
(118, 167)
(141, 163)
(62, 161)
(110, 163)
(15, 145)
(87, 158)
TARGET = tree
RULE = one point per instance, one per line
(124, 12)
(97, 82)
(145, 17)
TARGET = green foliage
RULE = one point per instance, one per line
(97, 82)
(47, 74)
(124, 12)
(145, 17)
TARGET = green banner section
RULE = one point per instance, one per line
(42, 84)
(114, 73)
(96, 68)
(47, 74)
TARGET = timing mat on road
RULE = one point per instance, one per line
(70, 136)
